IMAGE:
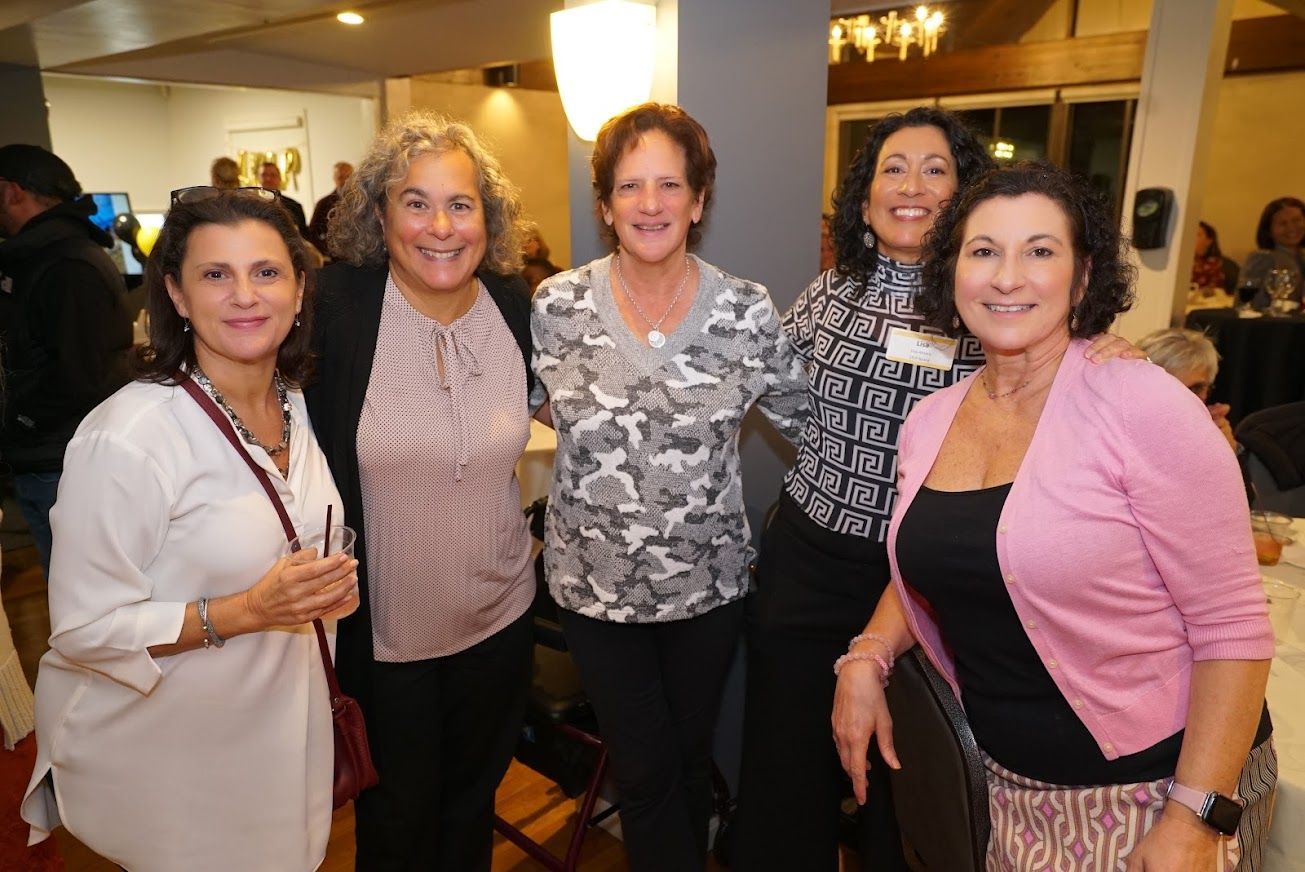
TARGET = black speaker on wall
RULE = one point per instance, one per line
(1152, 209)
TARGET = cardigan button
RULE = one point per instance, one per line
(1052, 664)
(1108, 748)
(1032, 625)
(1078, 703)
(1010, 578)
(1001, 529)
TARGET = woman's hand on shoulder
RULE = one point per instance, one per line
(1107, 346)
(1178, 842)
(301, 587)
(860, 714)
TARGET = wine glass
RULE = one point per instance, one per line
(1246, 292)
(1280, 284)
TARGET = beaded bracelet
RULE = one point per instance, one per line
(873, 637)
(884, 669)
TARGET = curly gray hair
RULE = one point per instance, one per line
(356, 235)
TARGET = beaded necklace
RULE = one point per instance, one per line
(248, 435)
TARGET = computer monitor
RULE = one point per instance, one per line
(107, 208)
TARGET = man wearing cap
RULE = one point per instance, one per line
(64, 327)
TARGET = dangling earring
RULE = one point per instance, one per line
(297, 324)
(956, 322)
(1073, 321)
(868, 238)
(185, 327)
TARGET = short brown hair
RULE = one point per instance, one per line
(620, 133)
(171, 346)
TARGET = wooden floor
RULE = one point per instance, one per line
(532, 803)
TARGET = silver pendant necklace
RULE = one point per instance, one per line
(245, 433)
(656, 338)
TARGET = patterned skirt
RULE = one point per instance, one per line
(1038, 826)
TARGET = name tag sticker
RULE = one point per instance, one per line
(921, 349)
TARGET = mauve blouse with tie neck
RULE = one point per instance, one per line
(448, 552)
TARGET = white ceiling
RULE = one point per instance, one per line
(271, 43)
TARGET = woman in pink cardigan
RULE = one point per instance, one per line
(1110, 644)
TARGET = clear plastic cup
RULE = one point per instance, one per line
(1282, 599)
(342, 539)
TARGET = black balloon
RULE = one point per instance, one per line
(125, 227)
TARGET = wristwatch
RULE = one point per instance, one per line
(1218, 811)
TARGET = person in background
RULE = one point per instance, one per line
(1207, 263)
(63, 322)
(183, 719)
(1190, 357)
(536, 271)
(224, 173)
(650, 357)
(269, 176)
(322, 211)
(1047, 559)
(1280, 237)
(423, 339)
(17, 758)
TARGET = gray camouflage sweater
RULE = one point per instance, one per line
(645, 519)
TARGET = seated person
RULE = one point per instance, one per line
(1208, 262)
(1280, 236)
(1190, 357)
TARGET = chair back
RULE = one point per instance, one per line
(941, 791)
(1274, 439)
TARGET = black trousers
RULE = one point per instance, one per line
(442, 733)
(815, 590)
(656, 689)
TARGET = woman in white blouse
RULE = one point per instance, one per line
(182, 711)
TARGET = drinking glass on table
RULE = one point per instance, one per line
(1280, 285)
(1246, 295)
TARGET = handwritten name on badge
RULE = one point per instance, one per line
(921, 349)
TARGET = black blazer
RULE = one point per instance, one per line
(346, 321)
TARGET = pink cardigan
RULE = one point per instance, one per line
(1124, 543)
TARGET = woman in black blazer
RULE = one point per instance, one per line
(420, 407)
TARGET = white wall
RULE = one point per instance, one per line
(147, 139)
(526, 131)
(1255, 155)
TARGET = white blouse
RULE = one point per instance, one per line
(212, 759)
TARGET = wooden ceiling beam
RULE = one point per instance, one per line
(1256, 45)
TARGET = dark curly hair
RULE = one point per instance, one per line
(852, 258)
(1264, 230)
(621, 132)
(171, 346)
(1098, 247)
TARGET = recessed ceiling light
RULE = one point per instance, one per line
(349, 18)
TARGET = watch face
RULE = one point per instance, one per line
(1222, 813)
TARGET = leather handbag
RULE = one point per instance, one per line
(354, 771)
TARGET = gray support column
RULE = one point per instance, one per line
(24, 117)
(1185, 54)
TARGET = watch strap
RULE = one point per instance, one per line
(1189, 797)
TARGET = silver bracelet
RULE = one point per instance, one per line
(211, 637)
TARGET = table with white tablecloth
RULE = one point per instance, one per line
(1286, 850)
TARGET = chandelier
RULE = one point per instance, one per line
(863, 37)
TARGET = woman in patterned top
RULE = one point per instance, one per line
(823, 564)
(649, 358)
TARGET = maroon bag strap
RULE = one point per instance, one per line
(206, 403)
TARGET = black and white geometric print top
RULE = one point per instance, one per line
(845, 477)
(645, 517)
